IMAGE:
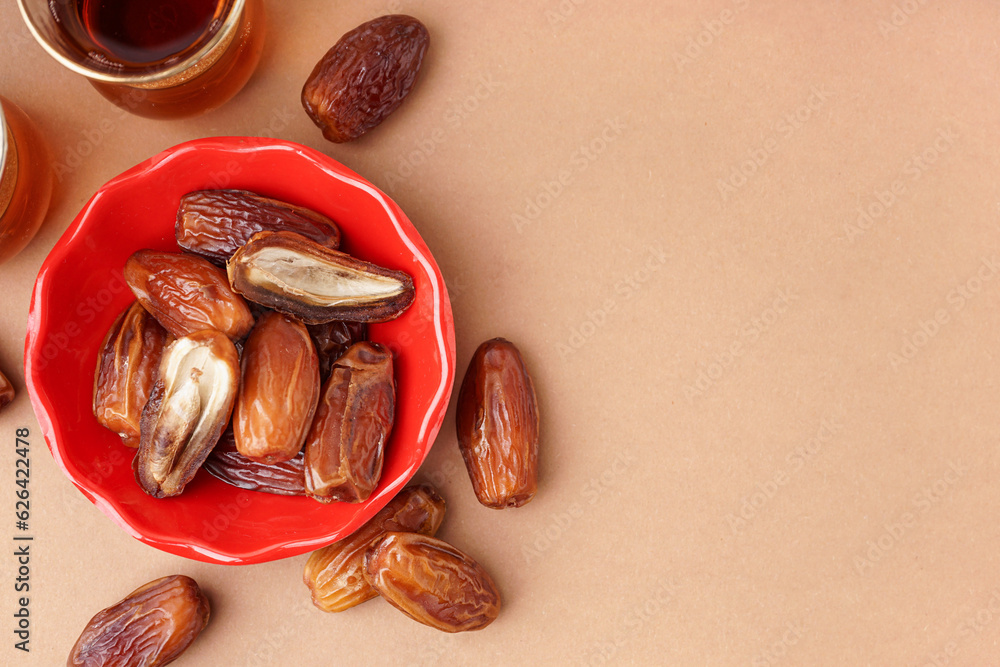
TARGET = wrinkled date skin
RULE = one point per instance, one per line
(227, 464)
(346, 443)
(6, 391)
(187, 294)
(279, 390)
(497, 422)
(365, 76)
(215, 223)
(432, 582)
(189, 408)
(299, 277)
(334, 573)
(332, 340)
(150, 627)
(126, 370)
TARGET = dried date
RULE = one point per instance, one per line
(186, 294)
(189, 407)
(497, 426)
(126, 370)
(334, 573)
(332, 339)
(6, 391)
(215, 223)
(152, 626)
(346, 444)
(432, 582)
(279, 390)
(227, 464)
(299, 277)
(365, 76)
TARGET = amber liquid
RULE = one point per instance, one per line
(151, 33)
(133, 31)
(25, 183)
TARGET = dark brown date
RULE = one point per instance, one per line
(279, 390)
(346, 444)
(215, 223)
(332, 340)
(299, 277)
(188, 409)
(334, 573)
(497, 422)
(432, 582)
(186, 294)
(151, 627)
(126, 370)
(6, 391)
(365, 76)
(227, 464)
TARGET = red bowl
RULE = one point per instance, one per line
(80, 290)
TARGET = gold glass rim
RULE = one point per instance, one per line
(230, 24)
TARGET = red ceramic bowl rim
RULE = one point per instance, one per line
(37, 327)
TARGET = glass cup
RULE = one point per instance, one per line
(154, 58)
(25, 180)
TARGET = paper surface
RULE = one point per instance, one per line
(749, 251)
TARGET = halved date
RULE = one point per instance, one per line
(346, 444)
(497, 425)
(227, 464)
(332, 339)
(215, 223)
(152, 626)
(334, 573)
(432, 582)
(6, 391)
(126, 370)
(365, 76)
(188, 410)
(187, 294)
(294, 275)
(279, 390)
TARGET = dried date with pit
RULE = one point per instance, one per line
(126, 370)
(227, 464)
(334, 573)
(189, 407)
(152, 626)
(346, 444)
(497, 426)
(187, 294)
(215, 223)
(365, 76)
(299, 277)
(432, 582)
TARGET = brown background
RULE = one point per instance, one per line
(736, 470)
